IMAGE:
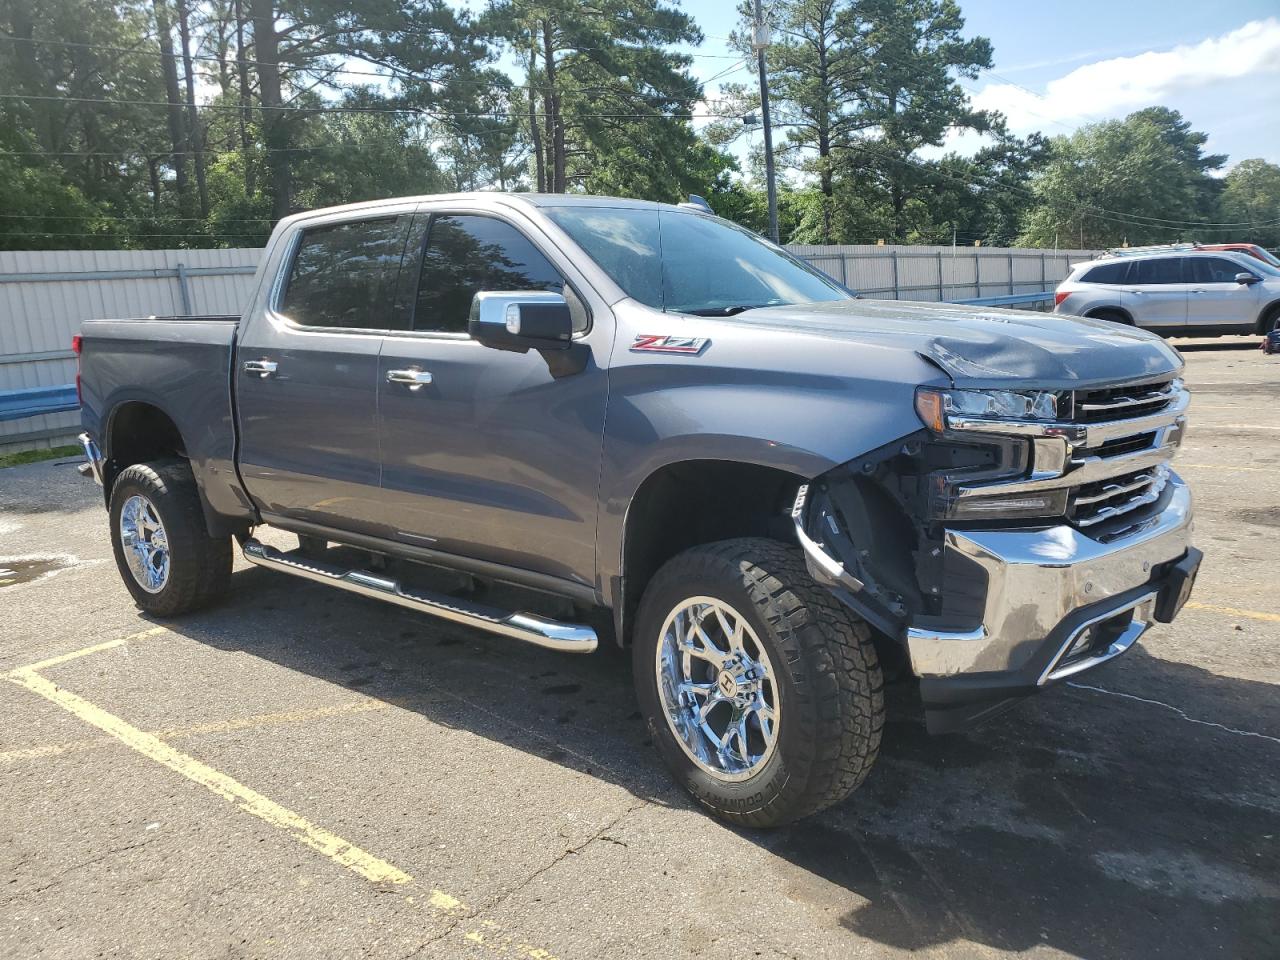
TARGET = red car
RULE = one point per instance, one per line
(1252, 249)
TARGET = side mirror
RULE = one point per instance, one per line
(521, 320)
(1247, 278)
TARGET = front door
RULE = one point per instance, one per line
(1155, 292)
(1217, 299)
(496, 458)
(307, 377)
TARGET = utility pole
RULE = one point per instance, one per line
(759, 41)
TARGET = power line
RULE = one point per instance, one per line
(413, 111)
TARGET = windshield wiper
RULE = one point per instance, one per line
(730, 311)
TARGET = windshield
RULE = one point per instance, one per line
(1262, 266)
(692, 263)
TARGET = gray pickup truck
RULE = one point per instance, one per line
(640, 420)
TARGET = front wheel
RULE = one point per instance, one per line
(761, 691)
(166, 557)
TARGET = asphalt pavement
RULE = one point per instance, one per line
(303, 773)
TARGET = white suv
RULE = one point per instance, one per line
(1184, 293)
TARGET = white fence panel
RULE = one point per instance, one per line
(45, 295)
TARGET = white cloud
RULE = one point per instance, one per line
(1114, 87)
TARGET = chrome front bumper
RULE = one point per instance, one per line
(1037, 580)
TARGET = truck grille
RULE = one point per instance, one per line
(1094, 503)
(1118, 443)
(1113, 403)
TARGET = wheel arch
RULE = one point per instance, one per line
(1098, 313)
(1266, 314)
(142, 431)
(690, 502)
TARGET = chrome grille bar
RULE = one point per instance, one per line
(1115, 490)
(1110, 467)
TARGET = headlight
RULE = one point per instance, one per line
(937, 407)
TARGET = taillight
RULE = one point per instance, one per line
(1060, 296)
(75, 348)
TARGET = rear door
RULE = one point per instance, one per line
(1216, 299)
(307, 375)
(1155, 292)
(497, 458)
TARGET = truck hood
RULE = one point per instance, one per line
(984, 346)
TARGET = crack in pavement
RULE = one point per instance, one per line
(74, 868)
(1178, 710)
(478, 915)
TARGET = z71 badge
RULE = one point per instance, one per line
(657, 343)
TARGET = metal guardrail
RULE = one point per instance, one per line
(34, 401)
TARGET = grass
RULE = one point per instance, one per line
(35, 456)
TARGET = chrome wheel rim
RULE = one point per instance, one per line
(718, 689)
(146, 547)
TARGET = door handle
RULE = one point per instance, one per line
(414, 378)
(1138, 292)
(263, 368)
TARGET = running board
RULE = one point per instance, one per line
(552, 634)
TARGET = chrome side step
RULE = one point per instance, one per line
(552, 634)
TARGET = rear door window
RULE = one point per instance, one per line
(1158, 271)
(1107, 273)
(343, 273)
(466, 254)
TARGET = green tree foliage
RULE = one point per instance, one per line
(1137, 180)
(607, 100)
(1251, 194)
(200, 122)
(860, 87)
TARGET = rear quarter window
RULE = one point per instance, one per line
(1106, 273)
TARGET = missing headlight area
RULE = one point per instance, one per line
(882, 518)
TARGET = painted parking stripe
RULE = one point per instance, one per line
(328, 844)
(252, 722)
(1230, 467)
(86, 651)
(1234, 611)
(476, 932)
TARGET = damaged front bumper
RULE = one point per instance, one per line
(1051, 603)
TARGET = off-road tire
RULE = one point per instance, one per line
(829, 681)
(199, 565)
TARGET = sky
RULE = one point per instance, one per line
(1059, 65)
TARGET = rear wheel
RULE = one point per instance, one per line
(1271, 321)
(165, 555)
(761, 691)
(1115, 316)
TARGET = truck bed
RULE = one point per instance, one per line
(179, 365)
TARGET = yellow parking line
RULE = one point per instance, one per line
(330, 845)
(217, 726)
(1224, 466)
(85, 651)
(1234, 611)
(487, 934)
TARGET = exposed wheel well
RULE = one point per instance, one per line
(693, 502)
(137, 433)
(1270, 314)
(1116, 314)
